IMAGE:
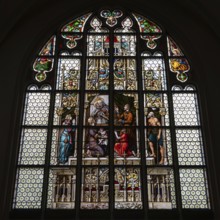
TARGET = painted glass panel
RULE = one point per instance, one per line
(95, 188)
(126, 146)
(173, 49)
(145, 25)
(153, 74)
(71, 40)
(151, 40)
(125, 74)
(64, 146)
(49, 48)
(126, 109)
(77, 25)
(124, 45)
(95, 146)
(127, 186)
(156, 103)
(97, 77)
(96, 25)
(161, 188)
(194, 188)
(42, 66)
(181, 67)
(68, 74)
(98, 45)
(111, 16)
(96, 109)
(28, 188)
(61, 188)
(126, 25)
(66, 110)
(158, 146)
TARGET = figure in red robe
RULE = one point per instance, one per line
(122, 148)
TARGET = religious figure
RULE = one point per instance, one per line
(97, 140)
(126, 118)
(66, 140)
(155, 136)
(100, 113)
(122, 148)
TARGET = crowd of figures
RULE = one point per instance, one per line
(97, 134)
(97, 138)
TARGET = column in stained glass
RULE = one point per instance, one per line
(95, 188)
(161, 188)
(61, 188)
(127, 188)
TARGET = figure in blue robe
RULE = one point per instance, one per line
(66, 147)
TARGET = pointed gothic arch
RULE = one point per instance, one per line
(82, 80)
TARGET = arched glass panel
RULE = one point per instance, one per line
(111, 120)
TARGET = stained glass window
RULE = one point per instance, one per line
(111, 120)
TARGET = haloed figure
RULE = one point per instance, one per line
(155, 136)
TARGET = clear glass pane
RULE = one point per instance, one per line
(189, 147)
(36, 110)
(28, 188)
(194, 189)
(185, 109)
(33, 147)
